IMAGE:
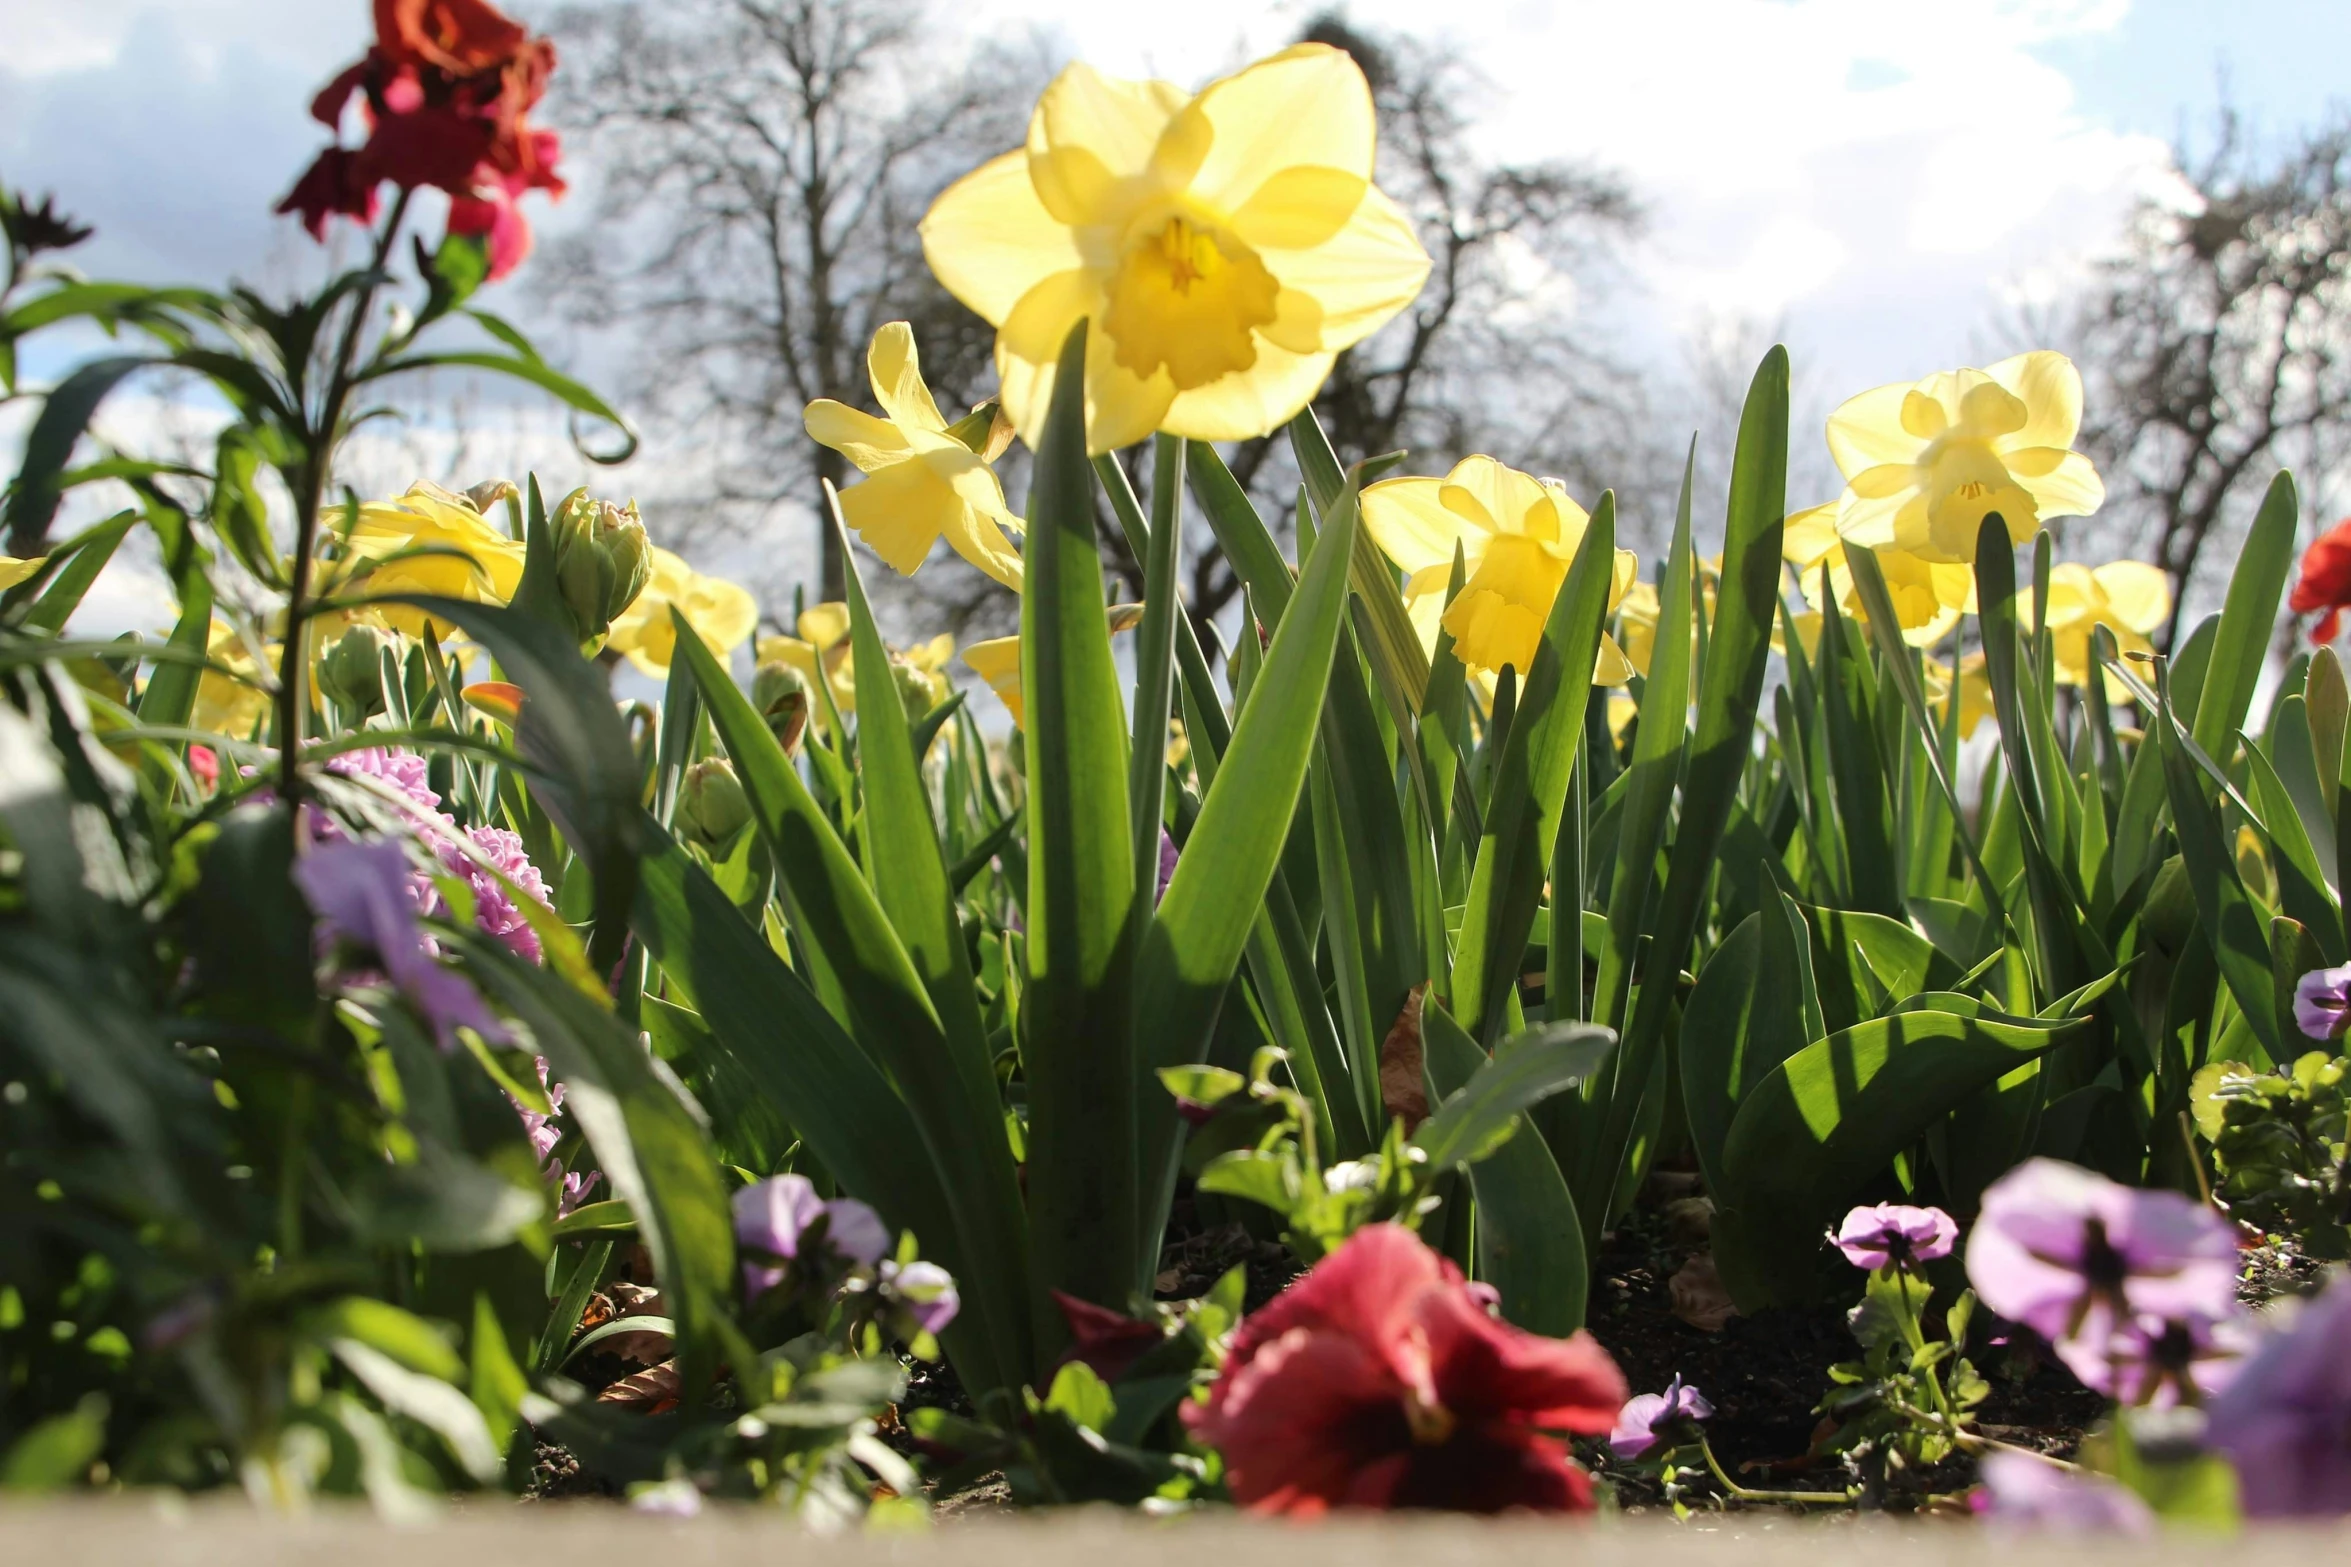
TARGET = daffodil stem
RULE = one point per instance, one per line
(1745, 1494)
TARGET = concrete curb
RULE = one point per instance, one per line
(176, 1533)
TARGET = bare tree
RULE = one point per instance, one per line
(2218, 347)
(1501, 353)
(760, 167)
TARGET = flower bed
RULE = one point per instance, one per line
(1446, 1079)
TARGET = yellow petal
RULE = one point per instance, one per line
(824, 624)
(1866, 431)
(2051, 389)
(1248, 403)
(1809, 535)
(1611, 667)
(1115, 121)
(1300, 207)
(14, 571)
(2062, 484)
(989, 239)
(1307, 105)
(900, 512)
(870, 443)
(1409, 521)
(1040, 323)
(975, 530)
(1481, 486)
(896, 369)
(998, 663)
(2138, 594)
(1874, 521)
(1363, 275)
(1121, 407)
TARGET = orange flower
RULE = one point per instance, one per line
(2325, 582)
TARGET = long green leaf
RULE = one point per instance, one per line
(2248, 618)
(1077, 1014)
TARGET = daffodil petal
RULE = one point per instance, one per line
(1408, 520)
(1866, 431)
(2051, 390)
(998, 663)
(896, 369)
(2062, 484)
(1300, 207)
(900, 512)
(976, 532)
(1871, 521)
(2138, 594)
(988, 238)
(1611, 667)
(1307, 105)
(1040, 323)
(1237, 407)
(1809, 534)
(1363, 275)
(866, 441)
(1115, 121)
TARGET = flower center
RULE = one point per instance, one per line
(1965, 482)
(1188, 299)
(1431, 1423)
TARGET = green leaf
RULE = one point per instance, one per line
(1529, 788)
(1656, 766)
(1239, 531)
(1221, 882)
(57, 1452)
(65, 417)
(2248, 619)
(73, 568)
(2232, 924)
(648, 1142)
(1833, 1115)
(1530, 1246)
(1525, 1070)
(1154, 663)
(571, 733)
(1077, 1014)
(1731, 685)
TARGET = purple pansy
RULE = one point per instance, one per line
(2086, 1263)
(364, 893)
(2025, 1492)
(773, 1215)
(2285, 1421)
(1890, 1234)
(925, 1296)
(2158, 1362)
(2322, 1002)
(1653, 1418)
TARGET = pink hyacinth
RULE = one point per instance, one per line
(494, 909)
(363, 894)
(404, 771)
(545, 1136)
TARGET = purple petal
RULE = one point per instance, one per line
(2025, 1492)
(855, 1232)
(2322, 1002)
(2285, 1419)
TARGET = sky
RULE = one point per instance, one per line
(1880, 179)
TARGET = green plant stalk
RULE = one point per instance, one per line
(1744, 1494)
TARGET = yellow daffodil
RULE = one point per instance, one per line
(921, 481)
(445, 547)
(1975, 691)
(1636, 616)
(14, 571)
(231, 704)
(1225, 246)
(997, 661)
(820, 652)
(1517, 535)
(1925, 462)
(2128, 597)
(720, 612)
(1928, 595)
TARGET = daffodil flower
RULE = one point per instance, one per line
(1975, 691)
(1517, 535)
(1225, 247)
(2128, 597)
(997, 661)
(1929, 596)
(821, 652)
(1636, 616)
(721, 613)
(1925, 462)
(235, 702)
(921, 480)
(14, 571)
(430, 541)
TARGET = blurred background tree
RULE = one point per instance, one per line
(2216, 348)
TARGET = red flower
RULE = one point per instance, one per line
(1379, 1381)
(1108, 1341)
(2325, 582)
(448, 90)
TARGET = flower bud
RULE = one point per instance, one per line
(915, 690)
(712, 807)
(780, 692)
(350, 671)
(602, 560)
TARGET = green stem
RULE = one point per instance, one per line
(309, 494)
(1744, 1494)
(1975, 1441)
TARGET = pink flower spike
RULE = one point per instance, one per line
(363, 893)
(1890, 1234)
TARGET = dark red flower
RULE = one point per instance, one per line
(1379, 1381)
(447, 90)
(1108, 1341)
(2325, 582)
(336, 185)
